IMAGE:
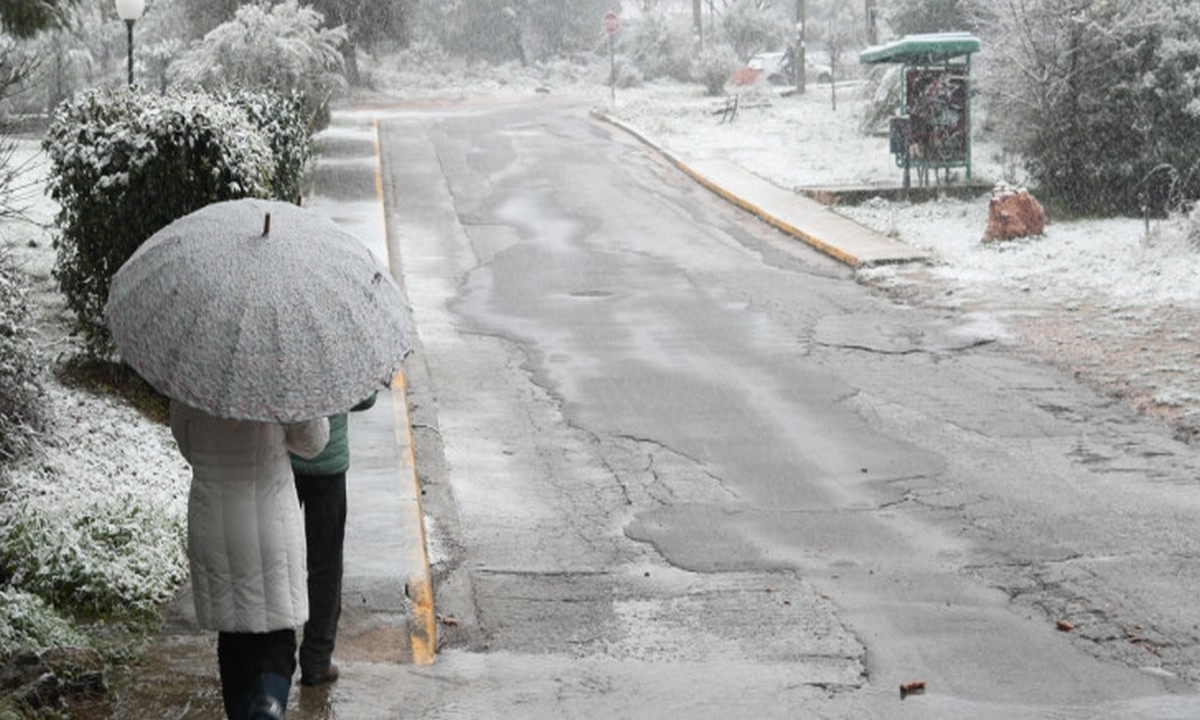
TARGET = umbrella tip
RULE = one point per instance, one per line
(267, 225)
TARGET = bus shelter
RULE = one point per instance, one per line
(932, 130)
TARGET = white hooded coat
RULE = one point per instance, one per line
(245, 527)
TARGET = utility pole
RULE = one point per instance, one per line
(698, 25)
(872, 28)
(798, 55)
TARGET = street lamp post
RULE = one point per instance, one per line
(130, 11)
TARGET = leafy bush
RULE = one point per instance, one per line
(124, 165)
(750, 28)
(628, 76)
(21, 418)
(910, 17)
(1094, 98)
(498, 31)
(282, 122)
(282, 48)
(659, 48)
(714, 67)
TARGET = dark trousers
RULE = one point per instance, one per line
(254, 664)
(323, 498)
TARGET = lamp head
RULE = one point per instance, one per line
(130, 10)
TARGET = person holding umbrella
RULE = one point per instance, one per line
(256, 337)
(321, 486)
(246, 549)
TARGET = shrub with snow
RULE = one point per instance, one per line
(1095, 96)
(20, 389)
(282, 121)
(282, 48)
(124, 165)
(628, 75)
(752, 28)
(659, 47)
(714, 68)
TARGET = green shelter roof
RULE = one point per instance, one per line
(922, 49)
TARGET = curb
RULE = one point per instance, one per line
(418, 583)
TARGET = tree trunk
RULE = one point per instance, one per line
(350, 57)
(698, 24)
(799, 54)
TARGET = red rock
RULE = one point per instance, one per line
(1013, 212)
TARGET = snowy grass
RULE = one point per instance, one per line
(795, 141)
(95, 524)
(92, 523)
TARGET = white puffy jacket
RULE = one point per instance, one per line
(245, 526)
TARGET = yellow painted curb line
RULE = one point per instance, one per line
(379, 190)
(419, 584)
(835, 252)
(423, 634)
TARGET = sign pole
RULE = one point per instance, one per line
(612, 70)
(611, 23)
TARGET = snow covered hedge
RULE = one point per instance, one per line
(125, 164)
(282, 121)
(714, 66)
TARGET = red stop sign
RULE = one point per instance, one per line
(610, 22)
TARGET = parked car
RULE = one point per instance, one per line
(778, 67)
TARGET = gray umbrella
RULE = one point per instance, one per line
(259, 310)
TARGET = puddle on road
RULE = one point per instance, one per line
(176, 676)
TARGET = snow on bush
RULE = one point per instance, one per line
(1095, 96)
(282, 122)
(123, 165)
(95, 525)
(658, 48)
(281, 48)
(20, 387)
(100, 495)
(714, 66)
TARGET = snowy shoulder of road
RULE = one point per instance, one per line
(801, 141)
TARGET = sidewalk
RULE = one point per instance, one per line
(387, 595)
(387, 599)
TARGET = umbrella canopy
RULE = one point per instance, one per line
(259, 310)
